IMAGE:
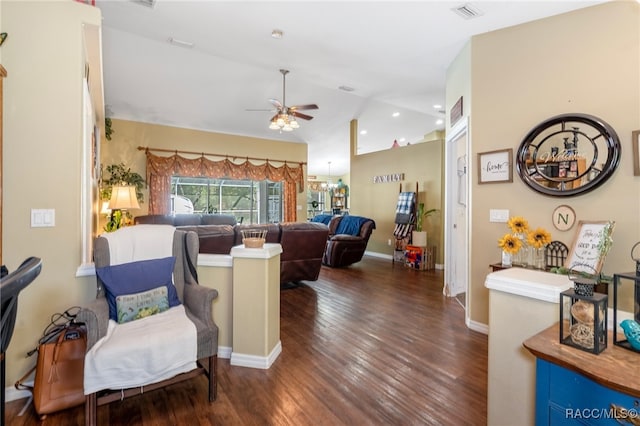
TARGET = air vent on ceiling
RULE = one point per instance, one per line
(467, 11)
(148, 3)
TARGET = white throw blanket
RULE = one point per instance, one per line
(146, 350)
(140, 242)
(141, 352)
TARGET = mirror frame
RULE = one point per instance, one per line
(528, 154)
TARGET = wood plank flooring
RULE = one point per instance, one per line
(372, 344)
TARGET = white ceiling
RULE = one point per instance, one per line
(394, 54)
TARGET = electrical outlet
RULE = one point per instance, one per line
(389, 242)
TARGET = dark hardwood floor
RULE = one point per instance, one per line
(372, 344)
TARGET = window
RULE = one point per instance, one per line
(249, 201)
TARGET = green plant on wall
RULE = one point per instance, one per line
(421, 214)
(119, 174)
(108, 130)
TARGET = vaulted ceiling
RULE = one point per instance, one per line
(206, 64)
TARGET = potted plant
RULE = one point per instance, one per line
(419, 237)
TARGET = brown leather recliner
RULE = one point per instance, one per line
(348, 240)
(303, 243)
(302, 248)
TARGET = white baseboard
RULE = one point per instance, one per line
(380, 255)
(11, 393)
(478, 326)
(253, 361)
(439, 266)
(224, 352)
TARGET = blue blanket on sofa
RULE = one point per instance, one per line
(351, 225)
(322, 218)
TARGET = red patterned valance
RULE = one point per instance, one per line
(160, 169)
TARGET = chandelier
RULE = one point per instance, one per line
(284, 122)
(329, 185)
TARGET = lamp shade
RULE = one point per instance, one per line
(123, 197)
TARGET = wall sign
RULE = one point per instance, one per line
(563, 218)
(393, 177)
(635, 140)
(456, 112)
(495, 166)
(585, 254)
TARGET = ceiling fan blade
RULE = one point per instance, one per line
(301, 107)
(276, 103)
(274, 117)
(301, 115)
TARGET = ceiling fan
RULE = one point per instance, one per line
(285, 117)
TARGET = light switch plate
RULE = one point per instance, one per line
(43, 218)
(498, 215)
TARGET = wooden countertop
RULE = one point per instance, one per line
(615, 367)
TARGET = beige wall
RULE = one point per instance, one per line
(44, 59)
(128, 135)
(523, 75)
(422, 165)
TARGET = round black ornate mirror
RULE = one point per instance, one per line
(568, 154)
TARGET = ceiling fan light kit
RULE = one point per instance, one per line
(285, 118)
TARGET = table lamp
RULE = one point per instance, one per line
(122, 198)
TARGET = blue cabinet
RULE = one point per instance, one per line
(574, 387)
(564, 397)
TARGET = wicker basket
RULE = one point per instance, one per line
(253, 238)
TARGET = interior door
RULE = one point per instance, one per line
(457, 216)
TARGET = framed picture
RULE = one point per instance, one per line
(495, 166)
(585, 254)
(635, 140)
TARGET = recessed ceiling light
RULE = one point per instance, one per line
(395, 114)
(346, 88)
(437, 106)
(363, 132)
(180, 43)
(402, 139)
(439, 122)
(277, 34)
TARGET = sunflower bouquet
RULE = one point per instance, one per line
(515, 245)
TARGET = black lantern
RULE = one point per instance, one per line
(626, 310)
(583, 320)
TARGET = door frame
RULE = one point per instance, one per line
(459, 130)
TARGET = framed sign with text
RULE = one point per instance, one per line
(586, 253)
(495, 166)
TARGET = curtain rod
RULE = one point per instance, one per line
(234, 157)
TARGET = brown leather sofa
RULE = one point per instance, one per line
(303, 243)
(348, 238)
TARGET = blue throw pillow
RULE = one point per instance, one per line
(136, 277)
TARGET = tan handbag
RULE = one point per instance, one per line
(59, 378)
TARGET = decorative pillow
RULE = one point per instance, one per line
(136, 277)
(131, 307)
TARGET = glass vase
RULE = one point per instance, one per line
(521, 258)
(538, 261)
(506, 259)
